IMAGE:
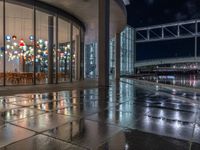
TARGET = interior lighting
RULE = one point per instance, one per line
(14, 37)
(8, 38)
(31, 37)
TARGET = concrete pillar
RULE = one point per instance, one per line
(50, 49)
(134, 51)
(117, 56)
(103, 42)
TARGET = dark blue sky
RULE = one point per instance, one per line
(151, 12)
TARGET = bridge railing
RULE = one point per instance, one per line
(152, 62)
(177, 30)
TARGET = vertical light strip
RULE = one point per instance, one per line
(4, 43)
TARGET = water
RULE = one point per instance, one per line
(191, 80)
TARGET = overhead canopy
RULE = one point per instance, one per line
(87, 12)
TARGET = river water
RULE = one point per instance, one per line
(191, 80)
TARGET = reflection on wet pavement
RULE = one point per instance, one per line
(41, 142)
(123, 116)
(43, 122)
(19, 113)
(10, 133)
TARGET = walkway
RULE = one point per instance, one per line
(123, 116)
(10, 90)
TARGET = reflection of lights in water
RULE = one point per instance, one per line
(157, 87)
(147, 119)
(147, 104)
(173, 91)
(195, 96)
(177, 106)
(184, 94)
(177, 125)
(147, 122)
(161, 122)
(177, 115)
(174, 81)
(147, 109)
(161, 113)
(126, 147)
(162, 104)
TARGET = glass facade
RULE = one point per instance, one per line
(127, 51)
(64, 45)
(91, 70)
(112, 58)
(38, 45)
(41, 45)
(127, 56)
(76, 54)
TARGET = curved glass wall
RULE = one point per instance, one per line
(64, 56)
(76, 53)
(40, 46)
(18, 48)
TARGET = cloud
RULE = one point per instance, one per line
(126, 2)
(150, 2)
(180, 16)
(191, 7)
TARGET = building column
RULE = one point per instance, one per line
(117, 56)
(50, 49)
(134, 51)
(103, 42)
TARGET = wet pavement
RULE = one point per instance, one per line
(124, 116)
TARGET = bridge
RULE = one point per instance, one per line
(155, 62)
(169, 31)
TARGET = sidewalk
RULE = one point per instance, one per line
(11, 90)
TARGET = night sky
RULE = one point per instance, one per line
(152, 12)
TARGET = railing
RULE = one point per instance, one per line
(166, 61)
(170, 31)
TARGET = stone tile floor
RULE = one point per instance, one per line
(123, 116)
